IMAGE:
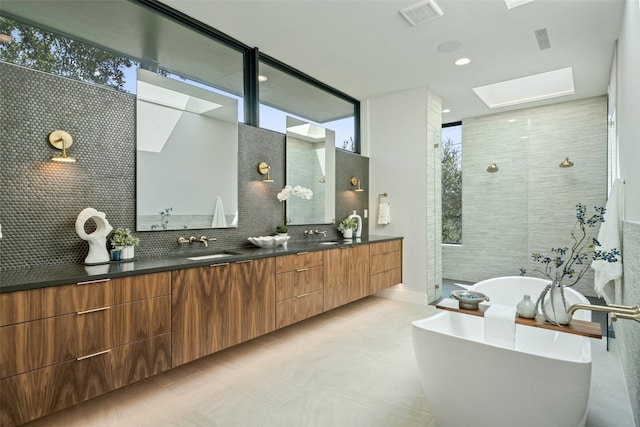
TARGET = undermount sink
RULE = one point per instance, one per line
(212, 256)
(330, 243)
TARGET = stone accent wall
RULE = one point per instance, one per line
(529, 204)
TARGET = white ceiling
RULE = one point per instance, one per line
(366, 49)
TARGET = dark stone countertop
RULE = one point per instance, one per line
(20, 279)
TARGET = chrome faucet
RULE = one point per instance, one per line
(193, 239)
(631, 312)
(203, 239)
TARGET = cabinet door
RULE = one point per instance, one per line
(253, 299)
(358, 260)
(336, 278)
(199, 312)
(139, 320)
(142, 359)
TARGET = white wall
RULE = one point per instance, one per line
(629, 108)
(628, 127)
(395, 137)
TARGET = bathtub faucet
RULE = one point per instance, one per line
(631, 312)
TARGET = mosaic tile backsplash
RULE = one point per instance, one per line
(40, 200)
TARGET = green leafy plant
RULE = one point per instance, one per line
(123, 237)
(348, 224)
(572, 262)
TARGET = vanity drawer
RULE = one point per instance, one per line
(295, 309)
(298, 282)
(380, 248)
(23, 306)
(300, 260)
(385, 280)
(133, 288)
(385, 261)
(32, 345)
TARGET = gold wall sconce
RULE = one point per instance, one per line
(493, 168)
(356, 183)
(265, 169)
(566, 163)
(61, 140)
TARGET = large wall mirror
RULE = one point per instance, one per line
(187, 156)
(311, 163)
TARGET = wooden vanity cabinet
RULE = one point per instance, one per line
(385, 265)
(221, 305)
(346, 272)
(57, 352)
(252, 303)
(79, 341)
(200, 319)
(142, 324)
(299, 287)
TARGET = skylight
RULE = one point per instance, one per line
(527, 89)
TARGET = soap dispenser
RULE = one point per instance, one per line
(358, 232)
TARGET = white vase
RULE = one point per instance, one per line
(555, 306)
(347, 234)
(526, 308)
(127, 252)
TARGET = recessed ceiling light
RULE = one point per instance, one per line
(511, 120)
(262, 78)
(462, 61)
(527, 89)
(446, 110)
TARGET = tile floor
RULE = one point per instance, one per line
(351, 367)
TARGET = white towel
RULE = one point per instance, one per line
(219, 221)
(607, 274)
(500, 325)
(384, 213)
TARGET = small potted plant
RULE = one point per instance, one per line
(123, 240)
(347, 227)
(282, 230)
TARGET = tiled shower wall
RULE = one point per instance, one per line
(529, 204)
(627, 331)
(40, 200)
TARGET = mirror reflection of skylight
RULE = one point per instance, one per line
(309, 130)
(527, 89)
(515, 3)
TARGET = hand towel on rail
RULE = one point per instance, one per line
(384, 213)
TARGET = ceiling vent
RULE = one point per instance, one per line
(543, 38)
(421, 12)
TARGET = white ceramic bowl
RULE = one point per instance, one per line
(268, 241)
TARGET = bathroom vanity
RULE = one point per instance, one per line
(76, 333)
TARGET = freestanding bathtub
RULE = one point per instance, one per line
(543, 381)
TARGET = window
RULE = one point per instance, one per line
(452, 183)
(286, 92)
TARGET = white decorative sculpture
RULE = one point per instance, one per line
(98, 253)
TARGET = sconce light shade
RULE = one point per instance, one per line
(493, 168)
(265, 169)
(356, 183)
(566, 163)
(61, 140)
